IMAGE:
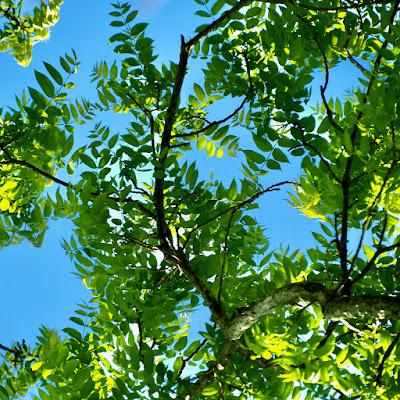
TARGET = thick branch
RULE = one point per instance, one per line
(203, 288)
(346, 181)
(335, 307)
(162, 228)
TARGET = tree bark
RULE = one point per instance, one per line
(334, 307)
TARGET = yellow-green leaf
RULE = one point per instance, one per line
(35, 366)
(4, 205)
(46, 373)
(210, 149)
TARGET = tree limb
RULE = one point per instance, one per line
(335, 307)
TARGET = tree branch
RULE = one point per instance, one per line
(224, 257)
(238, 206)
(353, 5)
(323, 88)
(217, 122)
(53, 178)
(162, 228)
(207, 377)
(319, 154)
(201, 286)
(225, 16)
(190, 356)
(369, 216)
(346, 181)
(356, 63)
(387, 354)
(335, 307)
(371, 262)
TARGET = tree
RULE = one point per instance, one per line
(21, 30)
(155, 241)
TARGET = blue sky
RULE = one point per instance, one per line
(37, 285)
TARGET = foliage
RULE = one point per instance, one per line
(156, 242)
(22, 28)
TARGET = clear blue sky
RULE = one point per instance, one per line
(37, 285)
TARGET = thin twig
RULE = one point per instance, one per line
(224, 257)
(321, 157)
(323, 88)
(356, 63)
(217, 122)
(371, 262)
(69, 185)
(238, 206)
(387, 354)
(190, 356)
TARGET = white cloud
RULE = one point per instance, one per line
(150, 5)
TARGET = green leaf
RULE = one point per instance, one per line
(117, 23)
(217, 6)
(4, 394)
(37, 98)
(73, 333)
(178, 364)
(220, 133)
(131, 16)
(54, 73)
(272, 164)
(254, 156)
(87, 160)
(262, 143)
(138, 28)
(77, 320)
(326, 349)
(201, 142)
(199, 92)
(279, 155)
(65, 65)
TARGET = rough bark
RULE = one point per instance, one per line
(335, 307)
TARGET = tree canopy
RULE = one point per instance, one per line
(23, 26)
(158, 243)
